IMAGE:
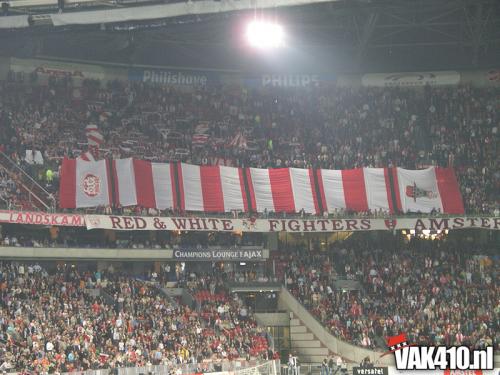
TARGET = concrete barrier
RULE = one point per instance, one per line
(83, 253)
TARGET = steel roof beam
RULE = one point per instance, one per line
(150, 12)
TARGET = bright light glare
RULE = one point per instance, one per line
(265, 35)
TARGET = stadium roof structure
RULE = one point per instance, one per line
(324, 35)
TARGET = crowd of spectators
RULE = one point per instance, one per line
(12, 193)
(64, 320)
(69, 237)
(320, 127)
(8, 188)
(51, 320)
(436, 293)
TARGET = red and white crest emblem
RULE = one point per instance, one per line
(95, 221)
(249, 224)
(91, 185)
(390, 223)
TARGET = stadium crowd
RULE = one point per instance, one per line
(437, 292)
(327, 127)
(8, 188)
(434, 292)
(63, 320)
(68, 237)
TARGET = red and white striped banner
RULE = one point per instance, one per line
(391, 190)
(429, 189)
(283, 190)
(222, 189)
(343, 189)
(358, 190)
(94, 136)
(84, 184)
(143, 183)
(211, 188)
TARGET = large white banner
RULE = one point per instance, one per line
(87, 184)
(286, 225)
(245, 225)
(216, 189)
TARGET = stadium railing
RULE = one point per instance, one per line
(35, 191)
(230, 368)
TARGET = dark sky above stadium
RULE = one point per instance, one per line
(342, 36)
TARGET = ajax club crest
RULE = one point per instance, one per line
(250, 224)
(390, 223)
(91, 185)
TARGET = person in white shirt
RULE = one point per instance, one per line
(221, 309)
(5, 365)
(243, 313)
(339, 361)
(292, 365)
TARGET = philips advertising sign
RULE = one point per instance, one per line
(288, 80)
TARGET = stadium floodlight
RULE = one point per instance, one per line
(265, 34)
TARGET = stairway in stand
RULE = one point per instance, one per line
(308, 348)
(312, 342)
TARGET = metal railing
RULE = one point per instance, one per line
(233, 366)
(33, 188)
